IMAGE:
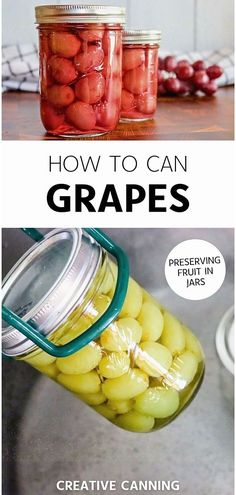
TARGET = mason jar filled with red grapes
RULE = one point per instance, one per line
(140, 75)
(80, 49)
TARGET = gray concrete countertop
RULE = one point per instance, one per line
(49, 435)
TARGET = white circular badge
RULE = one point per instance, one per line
(195, 269)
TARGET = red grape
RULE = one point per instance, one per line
(186, 87)
(136, 80)
(200, 79)
(184, 72)
(170, 64)
(214, 71)
(133, 58)
(199, 65)
(161, 77)
(172, 85)
(62, 69)
(183, 63)
(81, 115)
(60, 96)
(92, 35)
(127, 100)
(161, 63)
(147, 104)
(210, 88)
(161, 90)
(90, 59)
(90, 89)
(52, 118)
(64, 44)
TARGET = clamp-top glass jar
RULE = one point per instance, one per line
(80, 50)
(140, 75)
(140, 368)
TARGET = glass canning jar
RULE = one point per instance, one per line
(80, 51)
(140, 372)
(140, 75)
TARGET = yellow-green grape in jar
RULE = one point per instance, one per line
(120, 406)
(192, 344)
(158, 402)
(182, 370)
(153, 358)
(50, 370)
(98, 306)
(152, 322)
(76, 328)
(114, 271)
(82, 361)
(126, 386)
(39, 359)
(114, 365)
(150, 299)
(105, 411)
(133, 300)
(173, 334)
(89, 383)
(122, 335)
(93, 399)
(136, 422)
(108, 282)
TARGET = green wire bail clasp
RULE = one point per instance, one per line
(98, 326)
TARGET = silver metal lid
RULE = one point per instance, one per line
(47, 283)
(138, 37)
(103, 14)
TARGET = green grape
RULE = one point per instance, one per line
(93, 399)
(150, 299)
(126, 386)
(133, 301)
(50, 370)
(151, 320)
(173, 334)
(82, 361)
(153, 358)
(192, 344)
(76, 328)
(157, 402)
(182, 370)
(105, 411)
(114, 364)
(120, 406)
(134, 421)
(81, 384)
(108, 282)
(114, 271)
(98, 306)
(39, 359)
(121, 335)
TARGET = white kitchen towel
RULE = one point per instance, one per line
(20, 65)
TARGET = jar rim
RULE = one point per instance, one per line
(224, 340)
(67, 289)
(139, 36)
(102, 14)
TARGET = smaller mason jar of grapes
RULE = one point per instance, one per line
(75, 315)
(140, 75)
(80, 51)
